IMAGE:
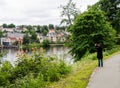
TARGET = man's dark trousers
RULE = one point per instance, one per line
(100, 62)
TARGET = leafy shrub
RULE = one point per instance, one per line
(29, 82)
(46, 43)
(4, 78)
(6, 67)
(52, 73)
(63, 68)
(5, 73)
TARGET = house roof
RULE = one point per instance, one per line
(18, 35)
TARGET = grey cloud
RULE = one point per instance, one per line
(33, 11)
(2, 2)
(30, 20)
(41, 13)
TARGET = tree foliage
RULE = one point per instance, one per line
(4, 25)
(89, 28)
(60, 27)
(26, 39)
(70, 11)
(9, 25)
(51, 26)
(112, 10)
(44, 30)
(38, 29)
(33, 37)
(46, 43)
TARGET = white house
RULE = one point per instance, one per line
(52, 35)
(9, 30)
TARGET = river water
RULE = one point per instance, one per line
(60, 52)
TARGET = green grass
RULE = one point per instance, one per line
(79, 77)
(82, 71)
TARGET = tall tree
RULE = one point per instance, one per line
(11, 25)
(38, 29)
(44, 30)
(70, 11)
(51, 26)
(4, 25)
(112, 10)
(88, 28)
(33, 36)
(60, 27)
(26, 39)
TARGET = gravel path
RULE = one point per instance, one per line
(107, 76)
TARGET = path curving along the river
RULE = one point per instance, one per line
(107, 76)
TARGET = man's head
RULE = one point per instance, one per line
(98, 44)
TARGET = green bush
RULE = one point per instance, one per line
(63, 68)
(4, 78)
(29, 82)
(46, 43)
(6, 67)
(5, 73)
(52, 73)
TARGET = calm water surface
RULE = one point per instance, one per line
(61, 52)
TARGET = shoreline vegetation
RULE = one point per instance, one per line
(32, 71)
(30, 46)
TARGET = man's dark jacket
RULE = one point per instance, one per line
(99, 52)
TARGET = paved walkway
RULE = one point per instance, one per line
(108, 76)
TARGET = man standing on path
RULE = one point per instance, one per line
(99, 48)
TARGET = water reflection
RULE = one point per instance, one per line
(10, 56)
(60, 52)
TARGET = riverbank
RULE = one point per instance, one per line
(82, 71)
(12, 46)
(29, 46)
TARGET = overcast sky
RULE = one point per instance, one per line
(35, 12)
